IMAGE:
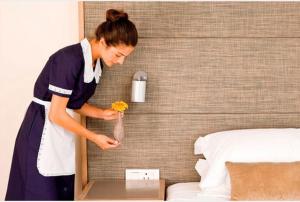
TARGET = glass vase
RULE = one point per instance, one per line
(119, 128)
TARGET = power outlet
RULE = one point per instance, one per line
(142, 174)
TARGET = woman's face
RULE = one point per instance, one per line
(112, 55)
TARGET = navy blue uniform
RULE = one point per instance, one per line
(62, 75)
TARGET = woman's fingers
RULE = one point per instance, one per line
(112, 144)
(112, 141)
(110, 114)
(105, 142)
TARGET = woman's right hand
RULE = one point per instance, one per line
(105, 142)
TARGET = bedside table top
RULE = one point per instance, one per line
(124, 190)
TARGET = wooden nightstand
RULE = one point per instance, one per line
(124, 190)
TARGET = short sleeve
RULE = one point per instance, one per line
(63, 74)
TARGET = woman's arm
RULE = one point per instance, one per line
(95, 112)
(59, 116)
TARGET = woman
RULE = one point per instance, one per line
(43, 164)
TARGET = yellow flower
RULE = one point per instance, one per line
(119, 106)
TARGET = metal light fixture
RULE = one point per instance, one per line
(138, 90)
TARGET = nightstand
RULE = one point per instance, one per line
(124, 190)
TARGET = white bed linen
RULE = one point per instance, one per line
(246, 145)
(190, 191)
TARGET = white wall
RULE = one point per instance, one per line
(30, 31)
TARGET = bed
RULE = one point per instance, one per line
(190, 191)
(248, 164)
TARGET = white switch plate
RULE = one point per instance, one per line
(142, 174)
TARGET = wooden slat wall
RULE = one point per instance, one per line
(212, 66)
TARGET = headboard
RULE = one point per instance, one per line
(212, 66)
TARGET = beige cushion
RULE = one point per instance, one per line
(264, 181)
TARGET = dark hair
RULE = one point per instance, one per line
(117, 29)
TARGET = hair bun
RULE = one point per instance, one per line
(113, 15)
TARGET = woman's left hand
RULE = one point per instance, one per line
(110, 114)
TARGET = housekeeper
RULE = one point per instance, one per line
(43, 164)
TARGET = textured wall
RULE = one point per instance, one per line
(212, 66)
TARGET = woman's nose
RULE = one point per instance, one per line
(121, 60)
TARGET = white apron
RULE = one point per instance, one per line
(56, 154)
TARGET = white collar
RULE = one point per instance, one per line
(89, 74)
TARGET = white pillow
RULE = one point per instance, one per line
(224, 189)
(248, 145)
(202, 167)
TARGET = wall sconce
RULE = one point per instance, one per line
(138, 89)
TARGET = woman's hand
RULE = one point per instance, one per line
(95, 112)
(110, 114)
(105, 142)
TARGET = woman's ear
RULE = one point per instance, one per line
(102, 42)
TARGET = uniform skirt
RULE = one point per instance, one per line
(25, 181)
